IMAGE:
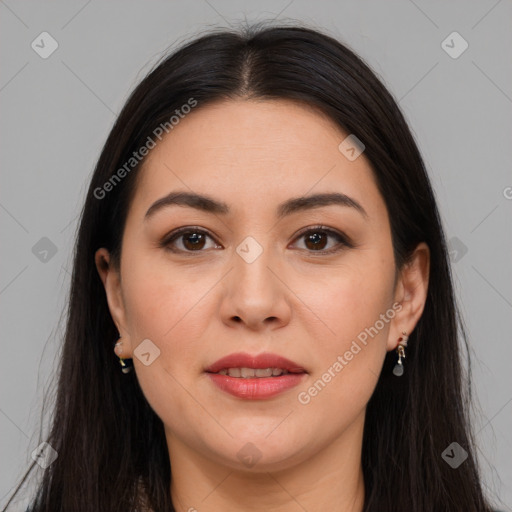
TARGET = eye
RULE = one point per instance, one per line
(316, 239)
(192, 239)
(189, 239)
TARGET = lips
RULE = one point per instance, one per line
(261, 361)
(246, 384)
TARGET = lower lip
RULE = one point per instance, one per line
(257, 388)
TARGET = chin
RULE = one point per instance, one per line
(259, 453)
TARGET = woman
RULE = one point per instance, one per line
(261, 314)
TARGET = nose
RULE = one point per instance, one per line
(255, 295)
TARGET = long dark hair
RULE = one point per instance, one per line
(112, 451)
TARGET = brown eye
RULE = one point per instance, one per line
(318, 239)
(187, 240)
(193, 241)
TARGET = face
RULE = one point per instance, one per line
(313, 282)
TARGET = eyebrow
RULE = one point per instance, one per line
(210, 205)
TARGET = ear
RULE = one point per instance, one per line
(411, 292)
(111, 280)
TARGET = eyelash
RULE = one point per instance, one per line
(344, 241)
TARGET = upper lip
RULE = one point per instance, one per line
(265, 360)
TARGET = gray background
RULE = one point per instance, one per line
(57, 112)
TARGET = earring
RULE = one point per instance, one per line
(398, 370)
(127, 364)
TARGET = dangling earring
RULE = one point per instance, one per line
(398, 370)
(127, 364)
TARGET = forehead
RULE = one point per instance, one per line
(255, 153)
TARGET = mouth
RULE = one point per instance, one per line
(258, 373)
(255, 377)
(243, 365)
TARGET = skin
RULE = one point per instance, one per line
(197, 307)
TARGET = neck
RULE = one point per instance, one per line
(331, 480)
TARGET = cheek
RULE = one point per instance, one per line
(347, 364)
(169, 306)
(355, 312)
(166, 308)
(349, 298)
